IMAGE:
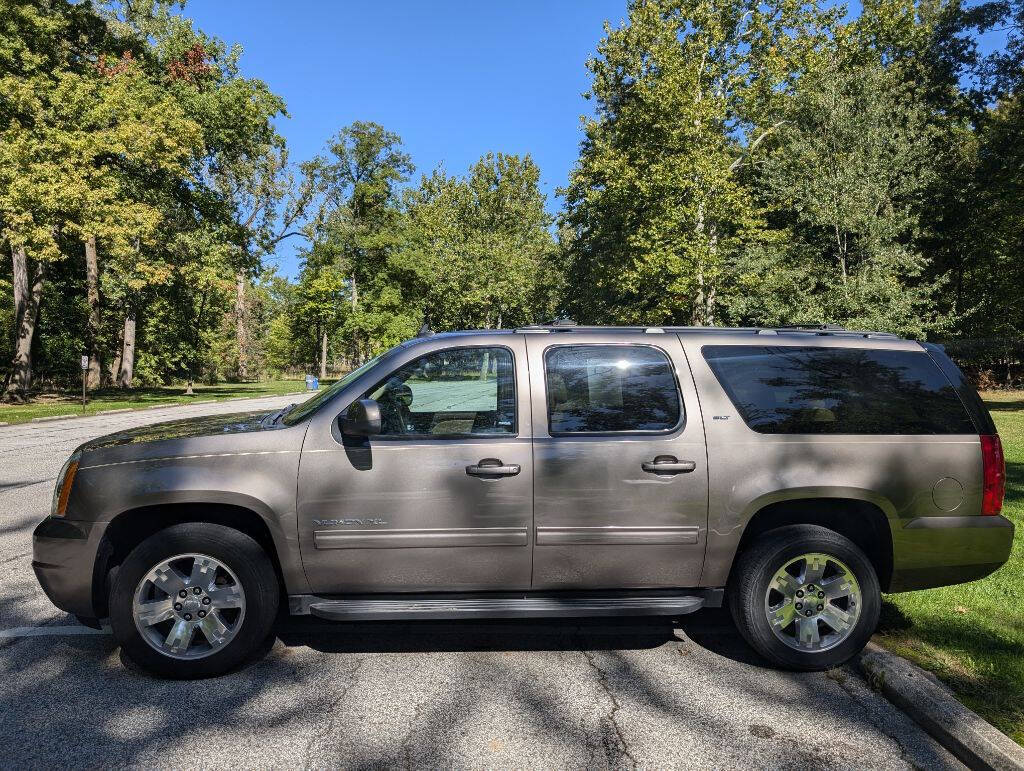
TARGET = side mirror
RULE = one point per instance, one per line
(362, 419)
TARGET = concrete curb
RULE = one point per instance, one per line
(48, 418)
(111, 412)
(974, 741)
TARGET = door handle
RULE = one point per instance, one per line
(492, 467)
(667, 464)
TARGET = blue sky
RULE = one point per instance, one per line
(454, 79)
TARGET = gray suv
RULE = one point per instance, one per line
(551, 470)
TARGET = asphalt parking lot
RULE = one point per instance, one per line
(594, 694)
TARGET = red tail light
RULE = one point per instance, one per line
(993, 472)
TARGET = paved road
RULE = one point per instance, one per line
(639, 693)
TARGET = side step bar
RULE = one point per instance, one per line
(522, 606)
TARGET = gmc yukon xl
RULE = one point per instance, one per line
(555, 470)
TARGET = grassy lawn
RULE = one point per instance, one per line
(972, 635)
(51, 404)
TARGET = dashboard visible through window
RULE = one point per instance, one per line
(452, 392)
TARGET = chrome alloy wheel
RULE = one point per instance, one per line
(189, 606)
(813, 602)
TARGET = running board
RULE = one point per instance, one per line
(529, 606)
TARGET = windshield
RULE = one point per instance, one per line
(311, 405)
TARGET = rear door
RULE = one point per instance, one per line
(620, 464)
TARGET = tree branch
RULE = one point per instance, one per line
(753, 145)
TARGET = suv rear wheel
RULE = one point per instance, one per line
(193, 600)
(805, 597)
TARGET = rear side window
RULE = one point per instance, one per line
(808, 390)
(610, 388)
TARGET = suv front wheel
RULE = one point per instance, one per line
(193, 600)
(805, 597)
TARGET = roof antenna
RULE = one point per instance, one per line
(562, 321)
(425, 330)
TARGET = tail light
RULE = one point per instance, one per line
(993, 472)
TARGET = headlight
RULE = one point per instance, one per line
(65, 479)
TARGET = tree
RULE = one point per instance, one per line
(480, 246)
(318, 309)
(40, 61)
(131, 130)
(269, 204)
(687, 95)
(240, 177)
(357, 214)
(849, 177)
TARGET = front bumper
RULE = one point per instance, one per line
(939, 551)
(64, 558)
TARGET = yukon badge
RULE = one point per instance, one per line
(348, 522)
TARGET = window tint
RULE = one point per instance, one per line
(602, 388)
(805, 390)
(457, 391)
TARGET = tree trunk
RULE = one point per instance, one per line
(709, 295)
(92, 286)
(703, 313)
(114, 370)
(27, 295)
(241, 330)
(323, 355)
(841, 244)
(127, 369)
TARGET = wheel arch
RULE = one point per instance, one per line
(862, 521)
(129, 528)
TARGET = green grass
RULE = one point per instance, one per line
(972, 635)
(53, 404)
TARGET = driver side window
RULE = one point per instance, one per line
(454, 392)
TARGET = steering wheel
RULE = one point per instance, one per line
(396, 416)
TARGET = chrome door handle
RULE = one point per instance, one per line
(667, 464)
(492, 467)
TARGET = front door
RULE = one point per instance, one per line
(443, 499)
(620, 463)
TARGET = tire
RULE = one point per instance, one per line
(792, 645)
(238, 597)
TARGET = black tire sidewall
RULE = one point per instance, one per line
(240, 553)
(755, 570)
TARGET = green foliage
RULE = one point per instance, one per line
(848, 177)
(686, 93)
(480, 247)
(123, 123)
(747, 162)
(766, 163)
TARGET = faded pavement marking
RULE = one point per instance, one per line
(44, 631)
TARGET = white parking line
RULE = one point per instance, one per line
(58, 631)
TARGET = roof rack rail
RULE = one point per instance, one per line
(816, 327)
(827, 329)
(560, 324)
